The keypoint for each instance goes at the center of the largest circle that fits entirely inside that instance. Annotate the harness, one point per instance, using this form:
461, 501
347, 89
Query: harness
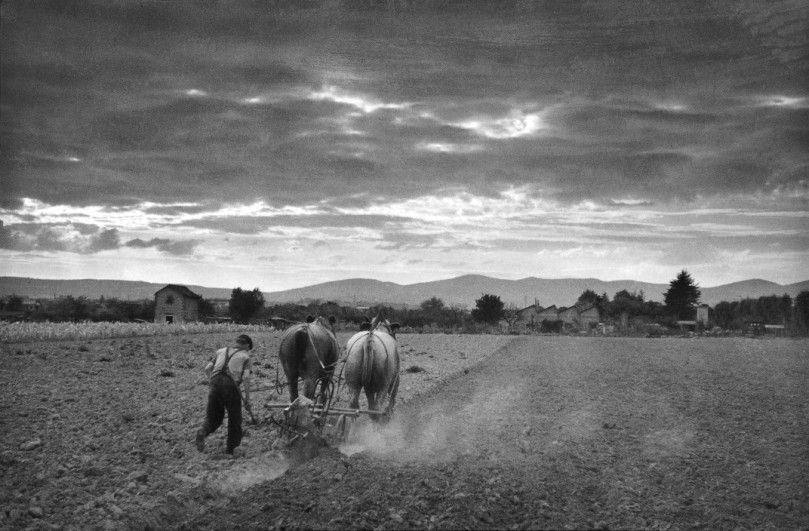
317, 354
225, 370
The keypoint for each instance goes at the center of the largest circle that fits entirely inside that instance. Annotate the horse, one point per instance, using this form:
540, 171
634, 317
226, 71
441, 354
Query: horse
310, 351
372, 366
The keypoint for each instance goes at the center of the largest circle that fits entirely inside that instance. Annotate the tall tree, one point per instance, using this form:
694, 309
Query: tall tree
723, 314
625, 303
14, 303
433, 305
589, 296
432, 310
206, 308
489, 309
245, 304
601, 302
682, 295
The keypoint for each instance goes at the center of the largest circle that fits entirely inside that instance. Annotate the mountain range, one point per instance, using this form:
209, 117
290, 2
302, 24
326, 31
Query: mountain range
460, 291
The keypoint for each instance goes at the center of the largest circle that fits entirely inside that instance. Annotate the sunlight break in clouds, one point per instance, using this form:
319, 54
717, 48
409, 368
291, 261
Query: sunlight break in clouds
364, 104
515, 125
460, 208
148, 214
784, 101
444, 147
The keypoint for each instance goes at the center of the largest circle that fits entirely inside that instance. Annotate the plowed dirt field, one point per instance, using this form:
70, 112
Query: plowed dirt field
491, 432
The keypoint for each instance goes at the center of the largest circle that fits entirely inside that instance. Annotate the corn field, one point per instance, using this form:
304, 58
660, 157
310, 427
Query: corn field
26, 331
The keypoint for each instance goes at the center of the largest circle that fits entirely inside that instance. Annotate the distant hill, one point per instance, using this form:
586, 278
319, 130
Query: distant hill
461, 291
464, 290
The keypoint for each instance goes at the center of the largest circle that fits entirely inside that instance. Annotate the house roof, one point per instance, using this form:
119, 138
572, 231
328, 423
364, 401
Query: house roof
182, 290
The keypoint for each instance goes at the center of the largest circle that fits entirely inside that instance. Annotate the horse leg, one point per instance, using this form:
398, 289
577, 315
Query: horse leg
351, 423
372, 403
309, 387
293, 388
354, 399
394, 389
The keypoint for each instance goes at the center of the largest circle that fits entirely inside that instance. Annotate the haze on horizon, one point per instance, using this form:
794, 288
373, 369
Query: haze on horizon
283, 144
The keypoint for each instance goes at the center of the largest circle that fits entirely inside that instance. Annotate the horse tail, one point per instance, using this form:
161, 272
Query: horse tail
301, 341
368, 361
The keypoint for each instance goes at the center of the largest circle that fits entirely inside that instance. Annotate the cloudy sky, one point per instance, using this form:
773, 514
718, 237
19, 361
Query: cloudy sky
279, 144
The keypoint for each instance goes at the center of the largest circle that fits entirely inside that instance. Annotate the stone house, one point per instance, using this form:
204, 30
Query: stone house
176, 304
589, 317
30, 305
581, 316
530, 318
568, 316
527, 318
550, 313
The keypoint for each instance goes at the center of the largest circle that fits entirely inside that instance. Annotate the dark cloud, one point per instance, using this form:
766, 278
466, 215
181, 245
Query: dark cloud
96, 107
48, 239
77, 238
179, 248
13, 240
104, 241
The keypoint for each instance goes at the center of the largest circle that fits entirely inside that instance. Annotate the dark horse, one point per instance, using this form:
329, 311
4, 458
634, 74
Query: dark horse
309, 350
372, 365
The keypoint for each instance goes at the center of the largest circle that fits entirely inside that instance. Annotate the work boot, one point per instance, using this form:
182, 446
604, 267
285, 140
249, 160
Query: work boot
201, 440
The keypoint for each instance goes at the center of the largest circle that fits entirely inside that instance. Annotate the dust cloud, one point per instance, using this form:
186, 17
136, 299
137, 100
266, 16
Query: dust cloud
249, 472
440, 431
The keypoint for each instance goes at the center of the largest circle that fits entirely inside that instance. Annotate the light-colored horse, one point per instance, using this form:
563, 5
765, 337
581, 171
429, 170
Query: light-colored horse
372, 366
309, 351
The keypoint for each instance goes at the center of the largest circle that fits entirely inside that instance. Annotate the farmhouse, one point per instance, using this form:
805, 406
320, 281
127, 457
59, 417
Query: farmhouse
581, 316
30, 305
568, 316
548, 314
578, 317
527, 317
589, 317
176, 304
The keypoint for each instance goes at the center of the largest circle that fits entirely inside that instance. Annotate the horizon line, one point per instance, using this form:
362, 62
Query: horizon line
404, 285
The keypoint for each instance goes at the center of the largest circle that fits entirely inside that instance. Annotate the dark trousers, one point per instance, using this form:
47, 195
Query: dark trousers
224, 395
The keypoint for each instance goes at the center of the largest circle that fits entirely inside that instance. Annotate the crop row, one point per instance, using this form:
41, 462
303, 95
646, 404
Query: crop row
45, 331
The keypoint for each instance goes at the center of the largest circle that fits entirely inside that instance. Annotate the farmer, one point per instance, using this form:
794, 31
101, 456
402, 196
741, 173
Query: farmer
230, 368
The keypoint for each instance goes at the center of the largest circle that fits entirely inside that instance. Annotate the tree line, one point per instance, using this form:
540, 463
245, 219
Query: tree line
77, 309
247, 306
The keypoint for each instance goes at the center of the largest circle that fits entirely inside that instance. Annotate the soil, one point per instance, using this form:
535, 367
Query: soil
490, 432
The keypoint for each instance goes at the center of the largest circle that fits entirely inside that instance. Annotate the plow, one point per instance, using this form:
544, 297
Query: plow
304, 419
310, 423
